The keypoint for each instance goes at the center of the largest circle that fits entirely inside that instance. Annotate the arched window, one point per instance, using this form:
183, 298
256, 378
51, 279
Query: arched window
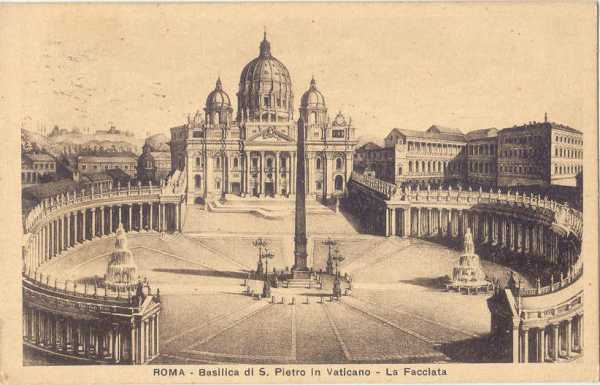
338, 163
218, 162
410, 166
400, 170
312, 118
198, 161
318, 163
269, 162
422, 166
235, 162
339, 183
198, 181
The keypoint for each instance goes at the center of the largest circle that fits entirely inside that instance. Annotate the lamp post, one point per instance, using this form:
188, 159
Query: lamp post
268, 254
330, 243
337, 284
260, 244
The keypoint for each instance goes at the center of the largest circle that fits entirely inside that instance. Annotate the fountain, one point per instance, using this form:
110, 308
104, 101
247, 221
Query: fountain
468, 274
121, 271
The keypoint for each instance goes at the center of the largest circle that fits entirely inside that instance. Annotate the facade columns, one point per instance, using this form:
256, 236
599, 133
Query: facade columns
83, 225
151, 216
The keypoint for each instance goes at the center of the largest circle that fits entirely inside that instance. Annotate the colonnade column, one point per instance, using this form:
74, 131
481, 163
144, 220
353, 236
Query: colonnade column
525, 345
75, 227
110, 219
102, 227
141, 217
150, 217
83, 225
568, 337
130, 207
541, 339
93, 223
555, 342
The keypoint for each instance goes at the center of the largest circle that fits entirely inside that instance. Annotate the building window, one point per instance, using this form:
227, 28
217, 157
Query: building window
198, 161
338, 163
197, 181
267, 101
338, 133
318, 163
235, 162
269, 162
319, 185
218, 162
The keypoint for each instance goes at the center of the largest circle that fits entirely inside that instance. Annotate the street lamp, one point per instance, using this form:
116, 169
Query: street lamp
337, 284
260, 244
268, 254
330, 243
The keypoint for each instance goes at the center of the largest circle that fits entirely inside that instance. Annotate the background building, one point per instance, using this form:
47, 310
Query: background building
93, 162
155, 162
481, 154
544, 156
539, 154
37, 167
434, 157
255, 155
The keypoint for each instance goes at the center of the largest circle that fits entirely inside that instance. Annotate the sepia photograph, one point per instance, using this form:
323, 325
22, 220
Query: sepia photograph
317, 192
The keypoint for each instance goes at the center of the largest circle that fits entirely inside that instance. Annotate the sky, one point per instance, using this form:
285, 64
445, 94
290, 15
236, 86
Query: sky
145, 68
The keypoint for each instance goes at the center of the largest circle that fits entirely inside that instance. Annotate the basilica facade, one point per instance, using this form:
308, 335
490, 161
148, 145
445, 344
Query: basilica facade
253, 155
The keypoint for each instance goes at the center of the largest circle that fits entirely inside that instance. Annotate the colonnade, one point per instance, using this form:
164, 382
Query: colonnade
509, 231
65, 230
551, 342
135, 341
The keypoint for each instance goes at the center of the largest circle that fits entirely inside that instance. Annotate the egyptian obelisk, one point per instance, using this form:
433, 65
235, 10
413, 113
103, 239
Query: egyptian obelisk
300, 220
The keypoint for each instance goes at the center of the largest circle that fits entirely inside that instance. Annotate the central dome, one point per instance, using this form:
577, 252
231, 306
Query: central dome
265, 93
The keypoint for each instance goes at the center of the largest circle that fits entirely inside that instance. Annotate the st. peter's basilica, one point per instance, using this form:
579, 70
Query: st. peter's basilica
254, 155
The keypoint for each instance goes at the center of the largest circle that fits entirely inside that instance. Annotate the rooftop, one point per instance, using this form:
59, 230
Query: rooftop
430, 134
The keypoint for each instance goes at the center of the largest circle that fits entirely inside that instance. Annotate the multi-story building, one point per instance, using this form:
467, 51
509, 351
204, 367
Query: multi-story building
255, 155
539, 154
482, 157
37, 167
364, 157
431, 157
94, 162
535, 155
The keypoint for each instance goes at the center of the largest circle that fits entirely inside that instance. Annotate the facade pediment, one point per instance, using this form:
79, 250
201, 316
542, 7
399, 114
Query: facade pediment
270, 135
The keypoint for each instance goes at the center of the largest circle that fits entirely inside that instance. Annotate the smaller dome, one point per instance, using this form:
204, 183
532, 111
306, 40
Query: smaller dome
218, 99
313, 98
157, 142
